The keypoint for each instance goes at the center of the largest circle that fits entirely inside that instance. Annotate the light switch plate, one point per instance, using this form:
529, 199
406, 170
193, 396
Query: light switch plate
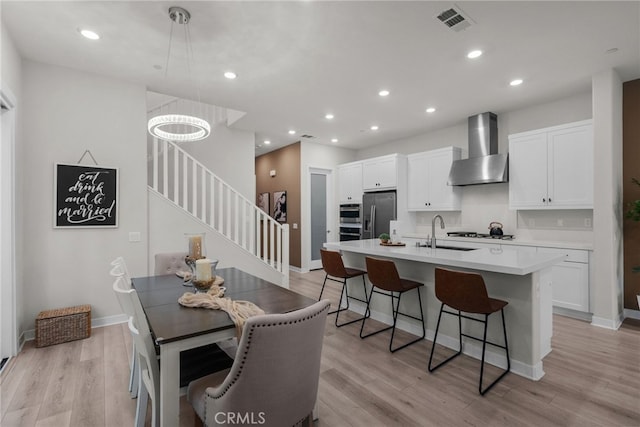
134, 236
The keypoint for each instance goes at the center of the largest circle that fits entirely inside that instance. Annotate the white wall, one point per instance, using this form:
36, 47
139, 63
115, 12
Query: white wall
608, 272
12, 296
227, 152
322, 157
482, 204
69, 112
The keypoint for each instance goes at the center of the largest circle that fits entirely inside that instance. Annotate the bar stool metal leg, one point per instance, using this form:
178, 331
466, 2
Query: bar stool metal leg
506, 348
396, 311
344, 292
435, 338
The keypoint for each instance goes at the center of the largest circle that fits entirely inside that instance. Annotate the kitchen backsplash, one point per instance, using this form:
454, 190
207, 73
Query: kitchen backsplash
483, 204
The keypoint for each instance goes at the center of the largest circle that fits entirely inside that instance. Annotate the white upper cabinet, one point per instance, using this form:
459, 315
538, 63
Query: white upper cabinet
380, 173
552, 168
350, 182
427, 175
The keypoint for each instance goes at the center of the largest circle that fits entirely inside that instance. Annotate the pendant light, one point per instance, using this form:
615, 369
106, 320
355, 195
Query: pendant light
179, 127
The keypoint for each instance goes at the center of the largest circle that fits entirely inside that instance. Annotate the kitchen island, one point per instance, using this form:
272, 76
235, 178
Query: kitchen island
520, 277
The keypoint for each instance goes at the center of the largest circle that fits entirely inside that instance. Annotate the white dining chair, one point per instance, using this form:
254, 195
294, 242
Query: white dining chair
119, 268
123, 291
149, 373
146, 368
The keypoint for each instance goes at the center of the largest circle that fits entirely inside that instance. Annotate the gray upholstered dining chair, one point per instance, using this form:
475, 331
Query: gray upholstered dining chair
274, 378
170, 263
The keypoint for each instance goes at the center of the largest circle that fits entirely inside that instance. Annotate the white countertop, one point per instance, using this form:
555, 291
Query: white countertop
500, 260
516, 241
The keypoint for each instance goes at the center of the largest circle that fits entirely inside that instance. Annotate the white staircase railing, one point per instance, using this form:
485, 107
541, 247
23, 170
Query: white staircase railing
187, 183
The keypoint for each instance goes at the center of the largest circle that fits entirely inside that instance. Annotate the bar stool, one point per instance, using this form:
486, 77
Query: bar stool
384, 275
467, 292
336, 271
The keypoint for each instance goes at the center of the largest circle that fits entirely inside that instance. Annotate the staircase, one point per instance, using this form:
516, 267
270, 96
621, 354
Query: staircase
237, 222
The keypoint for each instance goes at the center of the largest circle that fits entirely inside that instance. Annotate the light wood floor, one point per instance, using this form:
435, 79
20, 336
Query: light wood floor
592, 379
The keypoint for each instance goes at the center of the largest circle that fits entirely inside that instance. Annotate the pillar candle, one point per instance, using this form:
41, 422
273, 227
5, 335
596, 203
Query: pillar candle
203, 269
195, 247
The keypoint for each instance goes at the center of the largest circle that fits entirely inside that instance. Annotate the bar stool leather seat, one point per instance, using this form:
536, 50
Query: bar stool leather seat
467, 292
337, 272
383, 275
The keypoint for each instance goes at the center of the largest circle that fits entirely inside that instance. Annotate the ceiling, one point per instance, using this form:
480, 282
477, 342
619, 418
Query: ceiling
298, 61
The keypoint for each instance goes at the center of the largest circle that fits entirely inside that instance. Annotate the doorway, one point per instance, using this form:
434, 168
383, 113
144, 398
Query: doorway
8, 331
320, 214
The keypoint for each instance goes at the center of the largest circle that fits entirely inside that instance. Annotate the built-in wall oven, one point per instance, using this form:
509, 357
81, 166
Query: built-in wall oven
350, 222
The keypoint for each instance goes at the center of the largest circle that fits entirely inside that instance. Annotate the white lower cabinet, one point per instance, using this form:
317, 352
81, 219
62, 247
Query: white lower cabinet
571, 279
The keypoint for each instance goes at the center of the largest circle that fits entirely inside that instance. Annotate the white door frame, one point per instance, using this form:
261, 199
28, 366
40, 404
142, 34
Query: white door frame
315, 264
8, 321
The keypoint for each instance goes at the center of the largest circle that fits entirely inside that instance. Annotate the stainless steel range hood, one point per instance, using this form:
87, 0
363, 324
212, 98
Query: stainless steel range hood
484, 165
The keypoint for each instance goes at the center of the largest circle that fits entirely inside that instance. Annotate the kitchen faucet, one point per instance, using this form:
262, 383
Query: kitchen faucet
433, 229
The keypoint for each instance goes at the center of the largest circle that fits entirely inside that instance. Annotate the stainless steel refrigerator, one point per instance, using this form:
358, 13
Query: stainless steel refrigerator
377, 210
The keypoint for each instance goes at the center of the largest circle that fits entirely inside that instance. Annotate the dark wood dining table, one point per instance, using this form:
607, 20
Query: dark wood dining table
177, 328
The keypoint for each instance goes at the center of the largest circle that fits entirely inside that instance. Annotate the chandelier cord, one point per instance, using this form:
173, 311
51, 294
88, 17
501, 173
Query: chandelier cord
180, 127
166, 66
190, 59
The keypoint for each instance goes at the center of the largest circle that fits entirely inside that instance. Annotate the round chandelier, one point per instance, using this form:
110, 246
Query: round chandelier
166, 127
179, 127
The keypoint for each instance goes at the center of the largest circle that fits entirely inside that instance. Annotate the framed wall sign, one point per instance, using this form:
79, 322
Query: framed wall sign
280, 206
85, 196
263, 202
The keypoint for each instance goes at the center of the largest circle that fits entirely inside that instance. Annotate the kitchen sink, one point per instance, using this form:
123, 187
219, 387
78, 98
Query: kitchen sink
453, 248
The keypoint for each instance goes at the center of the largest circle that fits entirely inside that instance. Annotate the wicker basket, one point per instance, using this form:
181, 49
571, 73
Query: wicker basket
63, 325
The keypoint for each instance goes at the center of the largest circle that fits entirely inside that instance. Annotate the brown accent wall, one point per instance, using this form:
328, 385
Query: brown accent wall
286, 163
631, 191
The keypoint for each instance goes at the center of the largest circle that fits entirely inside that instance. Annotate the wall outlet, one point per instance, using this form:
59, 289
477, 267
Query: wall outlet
134, 236
295, 225
587, 222
560, 223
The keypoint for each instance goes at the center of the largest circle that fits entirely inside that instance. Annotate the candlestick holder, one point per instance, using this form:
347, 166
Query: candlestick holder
195, 245
202, 286
191, 263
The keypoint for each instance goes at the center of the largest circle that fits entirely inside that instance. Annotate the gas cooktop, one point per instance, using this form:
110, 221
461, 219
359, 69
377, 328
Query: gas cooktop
480, 235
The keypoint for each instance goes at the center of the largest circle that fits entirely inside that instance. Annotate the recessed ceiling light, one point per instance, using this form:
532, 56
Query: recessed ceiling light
267, 142
374, 127
329, 116
430, 110
230, 75
516, 82
292, 132
91, 35
383, 92
474, 54
334, 140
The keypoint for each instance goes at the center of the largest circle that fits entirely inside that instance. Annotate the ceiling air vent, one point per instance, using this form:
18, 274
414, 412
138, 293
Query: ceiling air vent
307, 136
455, 19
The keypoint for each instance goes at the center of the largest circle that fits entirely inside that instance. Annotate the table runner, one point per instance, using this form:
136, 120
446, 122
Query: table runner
238, 311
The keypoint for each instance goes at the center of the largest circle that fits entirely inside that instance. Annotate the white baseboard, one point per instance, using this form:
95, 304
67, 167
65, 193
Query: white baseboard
470, 348
601, 322
574, 314
631, 314
30, 334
